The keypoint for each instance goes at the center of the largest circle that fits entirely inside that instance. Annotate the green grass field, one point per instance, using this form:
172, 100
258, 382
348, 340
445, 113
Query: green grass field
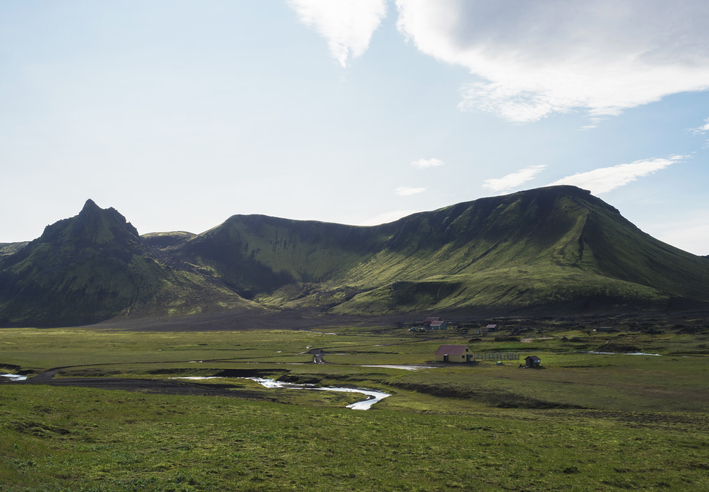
583, 422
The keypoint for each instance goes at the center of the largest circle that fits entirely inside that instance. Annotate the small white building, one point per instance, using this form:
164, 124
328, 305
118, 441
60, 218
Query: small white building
439, 325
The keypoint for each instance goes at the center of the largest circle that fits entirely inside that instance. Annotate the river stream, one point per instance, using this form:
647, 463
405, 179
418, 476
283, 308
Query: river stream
373, 396
14, 377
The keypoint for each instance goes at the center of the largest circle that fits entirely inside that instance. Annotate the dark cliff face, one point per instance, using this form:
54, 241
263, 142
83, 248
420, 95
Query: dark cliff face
549, 245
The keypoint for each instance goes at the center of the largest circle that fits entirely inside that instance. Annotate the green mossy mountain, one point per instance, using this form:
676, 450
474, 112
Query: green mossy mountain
92, 267
555, 248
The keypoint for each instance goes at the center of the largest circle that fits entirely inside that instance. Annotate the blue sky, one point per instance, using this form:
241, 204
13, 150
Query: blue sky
181, 113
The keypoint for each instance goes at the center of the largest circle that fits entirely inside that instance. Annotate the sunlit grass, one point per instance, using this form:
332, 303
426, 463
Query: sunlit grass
100, 440
584, 422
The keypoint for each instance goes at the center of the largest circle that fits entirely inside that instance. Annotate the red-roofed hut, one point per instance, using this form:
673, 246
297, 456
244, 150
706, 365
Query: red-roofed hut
454, 353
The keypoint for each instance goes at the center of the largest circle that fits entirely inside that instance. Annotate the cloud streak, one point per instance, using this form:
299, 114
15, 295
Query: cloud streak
533, 59
347, 25
703, 128
407, 191
512, 180
606, 179
426, 163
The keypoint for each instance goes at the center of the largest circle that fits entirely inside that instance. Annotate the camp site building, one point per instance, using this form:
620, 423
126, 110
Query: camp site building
532, 361
439, 325
454, 353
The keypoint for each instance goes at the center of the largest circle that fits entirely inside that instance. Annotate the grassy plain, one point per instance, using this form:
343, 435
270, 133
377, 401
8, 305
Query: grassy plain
583, 422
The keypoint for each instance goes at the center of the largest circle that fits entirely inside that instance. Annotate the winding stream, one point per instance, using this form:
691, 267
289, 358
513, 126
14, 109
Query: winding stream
372, 396
14, 377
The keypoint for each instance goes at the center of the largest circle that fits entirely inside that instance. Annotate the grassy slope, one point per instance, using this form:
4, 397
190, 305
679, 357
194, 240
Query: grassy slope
537, 247
7, 249
257, 254
624, 252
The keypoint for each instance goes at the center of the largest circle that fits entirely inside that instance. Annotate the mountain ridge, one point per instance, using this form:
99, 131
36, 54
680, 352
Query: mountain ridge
549, 246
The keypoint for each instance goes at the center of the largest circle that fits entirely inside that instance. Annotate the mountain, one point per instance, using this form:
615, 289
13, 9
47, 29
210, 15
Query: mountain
554, 248
92, 267
557, 245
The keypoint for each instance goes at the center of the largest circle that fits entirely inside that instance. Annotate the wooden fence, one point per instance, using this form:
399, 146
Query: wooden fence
497, 356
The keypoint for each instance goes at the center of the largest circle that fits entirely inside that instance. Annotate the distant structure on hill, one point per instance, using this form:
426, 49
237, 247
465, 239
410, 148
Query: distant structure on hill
491, 328
435, 324
454, 353
439, 325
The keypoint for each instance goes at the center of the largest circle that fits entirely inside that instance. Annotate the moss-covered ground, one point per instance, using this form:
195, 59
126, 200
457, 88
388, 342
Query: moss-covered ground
581, 422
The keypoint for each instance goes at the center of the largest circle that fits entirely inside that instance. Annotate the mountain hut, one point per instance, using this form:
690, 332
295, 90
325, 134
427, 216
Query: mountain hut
439, 325
532, 361
454, 353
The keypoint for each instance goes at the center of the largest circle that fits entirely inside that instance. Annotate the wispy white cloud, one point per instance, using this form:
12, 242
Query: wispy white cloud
513, 180
387, 217
534, 59
606, 179
424, 163
407, 191
703, 128
347, 25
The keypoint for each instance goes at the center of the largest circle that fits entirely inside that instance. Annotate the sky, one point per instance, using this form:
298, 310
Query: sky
181, 113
